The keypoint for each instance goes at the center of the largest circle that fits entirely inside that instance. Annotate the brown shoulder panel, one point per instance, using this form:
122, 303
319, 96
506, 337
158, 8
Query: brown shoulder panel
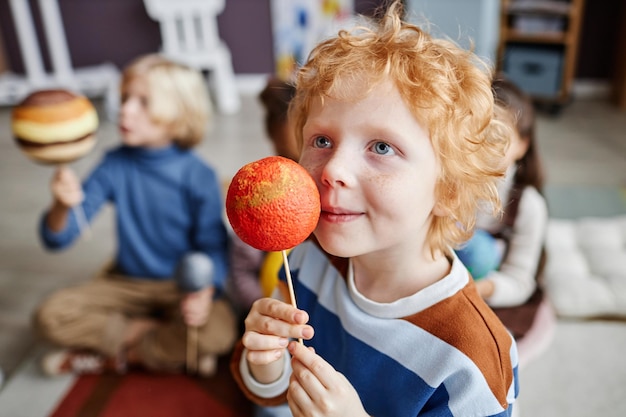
468, 324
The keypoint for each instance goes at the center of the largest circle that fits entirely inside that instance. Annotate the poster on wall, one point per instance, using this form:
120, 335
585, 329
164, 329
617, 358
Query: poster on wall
298, 25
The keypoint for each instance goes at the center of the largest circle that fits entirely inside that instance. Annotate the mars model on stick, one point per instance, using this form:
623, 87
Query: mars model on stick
273, 205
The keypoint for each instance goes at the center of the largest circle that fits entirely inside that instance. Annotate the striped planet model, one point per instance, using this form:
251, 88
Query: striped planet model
55, 126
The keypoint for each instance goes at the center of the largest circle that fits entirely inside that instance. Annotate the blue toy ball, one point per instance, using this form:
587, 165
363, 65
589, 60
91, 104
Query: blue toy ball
480, 255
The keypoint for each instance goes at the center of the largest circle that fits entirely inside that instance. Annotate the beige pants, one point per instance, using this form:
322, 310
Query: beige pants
94, 316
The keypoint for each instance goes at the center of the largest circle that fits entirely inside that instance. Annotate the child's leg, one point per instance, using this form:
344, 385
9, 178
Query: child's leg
169, 345
97, 315
165, 347
220, 332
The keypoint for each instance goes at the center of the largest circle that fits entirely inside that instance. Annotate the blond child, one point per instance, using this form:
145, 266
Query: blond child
397, 130
169, 231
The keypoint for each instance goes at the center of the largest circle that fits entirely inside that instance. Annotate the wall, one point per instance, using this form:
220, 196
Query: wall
463, 21
119, 30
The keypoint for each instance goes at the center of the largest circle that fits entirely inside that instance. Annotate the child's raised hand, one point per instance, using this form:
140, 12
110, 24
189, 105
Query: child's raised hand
269, 326
317, 389
66, 188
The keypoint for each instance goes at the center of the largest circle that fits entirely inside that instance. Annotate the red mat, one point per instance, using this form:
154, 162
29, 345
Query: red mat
155, 395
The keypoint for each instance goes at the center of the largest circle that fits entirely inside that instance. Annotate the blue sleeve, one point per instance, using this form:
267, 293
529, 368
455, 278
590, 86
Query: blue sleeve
96, 190
61, 239
209, 234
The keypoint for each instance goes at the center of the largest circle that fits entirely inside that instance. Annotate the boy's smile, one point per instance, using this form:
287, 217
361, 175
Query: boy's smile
339, 215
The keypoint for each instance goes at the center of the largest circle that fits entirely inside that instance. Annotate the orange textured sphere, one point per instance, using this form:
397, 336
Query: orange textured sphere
273, 204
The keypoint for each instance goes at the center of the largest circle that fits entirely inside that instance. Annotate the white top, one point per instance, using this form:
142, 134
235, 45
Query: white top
514, 282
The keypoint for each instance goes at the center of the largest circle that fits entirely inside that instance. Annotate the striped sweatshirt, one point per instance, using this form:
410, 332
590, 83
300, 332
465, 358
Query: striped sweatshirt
438, 352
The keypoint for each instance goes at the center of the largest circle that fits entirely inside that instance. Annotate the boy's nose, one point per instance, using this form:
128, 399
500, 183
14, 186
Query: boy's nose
338, 170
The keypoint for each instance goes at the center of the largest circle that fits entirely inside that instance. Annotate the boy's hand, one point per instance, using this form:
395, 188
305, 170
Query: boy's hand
66, 189
196, 306
269, 326
317, 389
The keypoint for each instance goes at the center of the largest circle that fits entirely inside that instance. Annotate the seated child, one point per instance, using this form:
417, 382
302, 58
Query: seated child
397, 130
170, 234
512, 287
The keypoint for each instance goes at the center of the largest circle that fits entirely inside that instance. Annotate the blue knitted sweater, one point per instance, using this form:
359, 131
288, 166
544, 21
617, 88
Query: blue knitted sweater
168, 203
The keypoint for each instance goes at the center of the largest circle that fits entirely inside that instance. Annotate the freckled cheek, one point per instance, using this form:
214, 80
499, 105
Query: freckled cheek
382, 181
403, 191
385, 184
313, 167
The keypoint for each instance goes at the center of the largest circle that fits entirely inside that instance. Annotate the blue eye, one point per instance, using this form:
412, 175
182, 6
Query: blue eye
321, 142
383, 148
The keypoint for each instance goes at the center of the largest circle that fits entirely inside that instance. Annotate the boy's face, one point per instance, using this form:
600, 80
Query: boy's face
376, 171
135, 124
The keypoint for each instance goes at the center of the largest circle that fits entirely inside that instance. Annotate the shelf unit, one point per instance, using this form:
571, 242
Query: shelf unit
538, 46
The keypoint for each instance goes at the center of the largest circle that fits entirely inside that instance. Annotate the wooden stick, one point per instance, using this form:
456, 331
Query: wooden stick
83, 224
81, 218
292, 294
192, 350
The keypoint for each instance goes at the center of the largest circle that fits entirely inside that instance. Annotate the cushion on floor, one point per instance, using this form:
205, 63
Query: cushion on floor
585, 273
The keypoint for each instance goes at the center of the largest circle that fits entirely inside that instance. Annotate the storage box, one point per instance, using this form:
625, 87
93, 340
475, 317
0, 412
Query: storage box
539, 24
535, 69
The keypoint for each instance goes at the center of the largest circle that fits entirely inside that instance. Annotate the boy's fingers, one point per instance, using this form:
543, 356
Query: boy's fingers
314, 363
269, 325
264, 357
264, 342
282, 311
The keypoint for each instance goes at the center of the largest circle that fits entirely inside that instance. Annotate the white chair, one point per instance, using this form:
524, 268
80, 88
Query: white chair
100, 80
190, 36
